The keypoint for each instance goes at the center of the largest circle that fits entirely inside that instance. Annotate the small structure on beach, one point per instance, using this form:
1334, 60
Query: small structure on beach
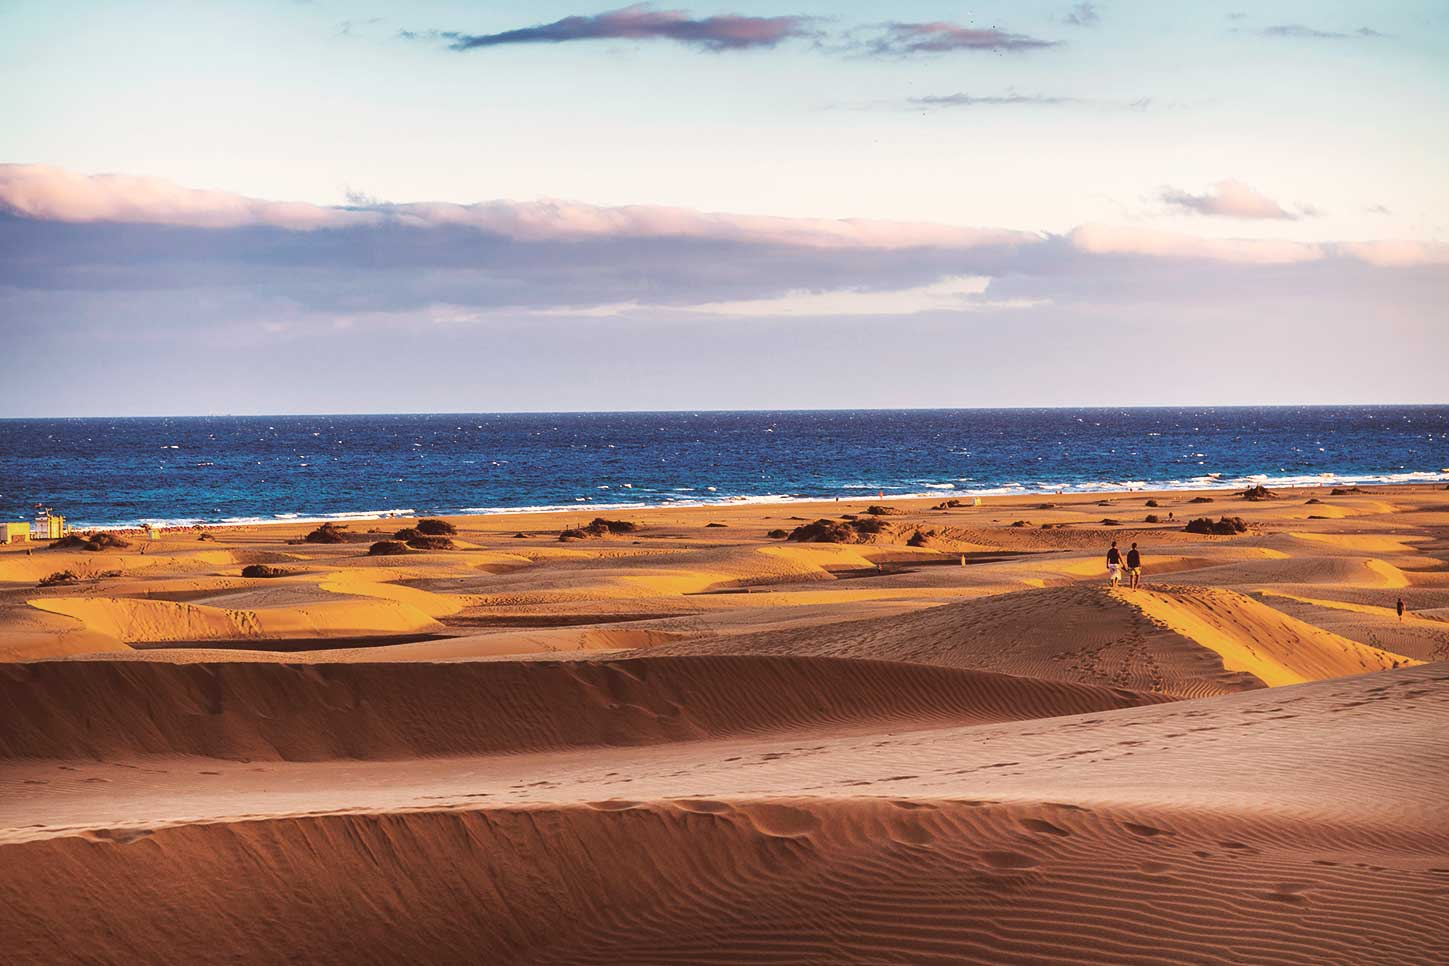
14, 533
48, 525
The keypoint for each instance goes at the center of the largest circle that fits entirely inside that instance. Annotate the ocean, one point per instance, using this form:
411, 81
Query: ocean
248, 469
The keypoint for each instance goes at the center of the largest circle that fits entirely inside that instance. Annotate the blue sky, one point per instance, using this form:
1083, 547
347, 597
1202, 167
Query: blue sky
1242, 191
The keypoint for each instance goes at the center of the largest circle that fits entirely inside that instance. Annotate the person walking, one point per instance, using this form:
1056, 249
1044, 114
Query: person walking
1134, 568
1114, 565
1400, 608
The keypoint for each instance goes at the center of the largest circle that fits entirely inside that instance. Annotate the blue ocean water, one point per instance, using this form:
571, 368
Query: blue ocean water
224, 469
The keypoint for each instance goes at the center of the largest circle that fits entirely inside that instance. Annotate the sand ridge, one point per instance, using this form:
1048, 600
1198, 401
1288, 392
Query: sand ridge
692, 744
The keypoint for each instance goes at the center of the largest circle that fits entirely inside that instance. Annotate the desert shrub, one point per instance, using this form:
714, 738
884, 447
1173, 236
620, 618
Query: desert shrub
206, 536
436, 528
328, 533
425, 541
919, 539
58, 578
93, 542
1152, 518
1109, 522
387, 548
1021, 523
835, 531
520, 536
1104, 503
778, 534
1345, 490
1226, 526
850, 516
407, 533
948, 505
1312, 501
599, 527
1044, 506
876, 510
707, 525
1201, 499
262, 570
1153, 503
1257, 493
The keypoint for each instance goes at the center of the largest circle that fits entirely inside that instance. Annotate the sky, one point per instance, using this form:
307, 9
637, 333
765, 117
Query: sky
346, 206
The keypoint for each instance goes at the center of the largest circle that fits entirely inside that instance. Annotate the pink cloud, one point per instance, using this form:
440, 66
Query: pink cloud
43, 193
1231, 199
1105, 240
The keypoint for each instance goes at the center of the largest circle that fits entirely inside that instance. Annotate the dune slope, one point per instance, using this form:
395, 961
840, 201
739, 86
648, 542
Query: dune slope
266, 711
1299, 825
1188, 642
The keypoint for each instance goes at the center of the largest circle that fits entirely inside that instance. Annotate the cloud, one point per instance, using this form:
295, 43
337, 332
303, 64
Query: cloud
951, 294
52, 194
105, 230
1083, 15
677, 303
1396, 254
990, 100
641, 22
1105, 240
943, 37
1230, 199
1299, 31
1014, 99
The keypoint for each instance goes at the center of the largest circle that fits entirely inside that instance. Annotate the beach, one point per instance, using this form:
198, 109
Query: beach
874, 730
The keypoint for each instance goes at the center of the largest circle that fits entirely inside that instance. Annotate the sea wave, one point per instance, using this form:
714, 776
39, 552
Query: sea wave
1211, 481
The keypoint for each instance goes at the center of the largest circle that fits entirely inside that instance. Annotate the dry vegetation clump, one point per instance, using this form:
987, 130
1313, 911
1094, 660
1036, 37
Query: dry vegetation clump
599, 528
1109, 522
1201, 499
58, 578
262, 570
1346, 490
1312, 501
1152, 518
778, 534
328, 533
708, 525
1224, 527
205, 536
1153, 503
407, 533
835, 531
1021, 523
876, 510
1258, 493
387, 548
93, 542
425, 541
436, 528
949, 505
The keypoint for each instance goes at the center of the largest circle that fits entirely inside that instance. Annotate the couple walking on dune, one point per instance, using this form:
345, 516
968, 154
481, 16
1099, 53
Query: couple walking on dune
1133, 564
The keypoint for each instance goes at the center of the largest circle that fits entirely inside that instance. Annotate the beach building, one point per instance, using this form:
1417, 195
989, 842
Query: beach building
49, 526
14, 532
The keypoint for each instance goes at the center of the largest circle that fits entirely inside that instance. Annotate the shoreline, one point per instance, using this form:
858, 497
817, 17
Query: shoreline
913, 501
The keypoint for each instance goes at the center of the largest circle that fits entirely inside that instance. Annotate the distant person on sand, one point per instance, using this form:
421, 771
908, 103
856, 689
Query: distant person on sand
1400, 608
1114, 565
1134, 568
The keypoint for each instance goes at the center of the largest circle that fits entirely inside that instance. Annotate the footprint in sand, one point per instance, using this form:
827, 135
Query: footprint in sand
1043, 826
1145, 830
1009, 860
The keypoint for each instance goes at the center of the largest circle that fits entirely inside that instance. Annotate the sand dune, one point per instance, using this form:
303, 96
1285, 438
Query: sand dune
268, 710
1186, 642
963, 751
1299, 825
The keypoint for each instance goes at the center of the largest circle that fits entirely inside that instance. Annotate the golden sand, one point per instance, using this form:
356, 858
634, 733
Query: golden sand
953, 742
